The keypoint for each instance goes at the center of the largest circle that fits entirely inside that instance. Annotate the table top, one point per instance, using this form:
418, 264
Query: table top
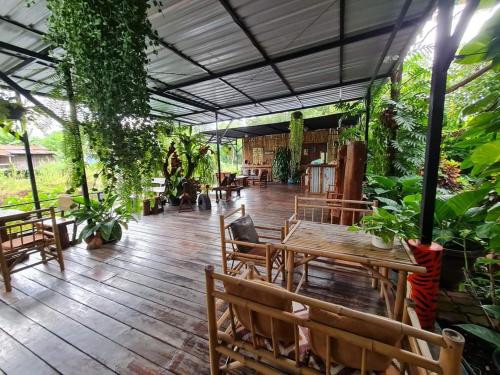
12, 214
335, 241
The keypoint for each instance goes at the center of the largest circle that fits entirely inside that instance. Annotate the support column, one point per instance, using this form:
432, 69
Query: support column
436, 110
218, 147
29, 159
75, 124
31, 170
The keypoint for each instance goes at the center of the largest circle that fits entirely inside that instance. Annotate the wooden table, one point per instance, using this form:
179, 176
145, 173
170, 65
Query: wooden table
308, 241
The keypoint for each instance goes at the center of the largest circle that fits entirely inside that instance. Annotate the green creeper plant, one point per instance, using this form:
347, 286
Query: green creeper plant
281, 164
104, 46
296, 138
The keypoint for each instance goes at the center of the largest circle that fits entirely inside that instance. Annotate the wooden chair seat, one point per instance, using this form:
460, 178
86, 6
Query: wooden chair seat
29, 240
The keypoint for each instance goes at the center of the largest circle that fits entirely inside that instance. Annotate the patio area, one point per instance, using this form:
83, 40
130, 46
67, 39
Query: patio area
250, 187
139, 305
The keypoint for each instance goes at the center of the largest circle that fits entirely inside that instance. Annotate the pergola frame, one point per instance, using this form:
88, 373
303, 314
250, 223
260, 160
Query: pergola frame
446, 47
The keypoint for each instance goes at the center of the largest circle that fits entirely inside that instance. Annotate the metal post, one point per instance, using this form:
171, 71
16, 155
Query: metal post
436, 110
29, 160
218, 146
75, 123
31, 170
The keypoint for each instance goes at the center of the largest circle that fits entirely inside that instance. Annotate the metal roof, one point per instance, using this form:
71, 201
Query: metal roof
241, 58
334, 121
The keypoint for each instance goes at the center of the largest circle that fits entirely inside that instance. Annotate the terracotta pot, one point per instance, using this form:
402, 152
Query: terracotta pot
94, 242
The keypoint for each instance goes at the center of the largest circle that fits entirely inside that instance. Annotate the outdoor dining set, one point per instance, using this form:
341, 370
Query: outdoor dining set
262, 320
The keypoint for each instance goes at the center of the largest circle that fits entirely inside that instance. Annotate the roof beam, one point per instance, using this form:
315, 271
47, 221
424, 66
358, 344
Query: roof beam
182, 55
396, 28
341, 38
46, 58
236, 18
21, 25
305, 52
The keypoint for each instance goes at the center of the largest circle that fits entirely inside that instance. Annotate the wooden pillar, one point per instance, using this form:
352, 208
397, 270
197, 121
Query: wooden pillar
340, 171
353, 177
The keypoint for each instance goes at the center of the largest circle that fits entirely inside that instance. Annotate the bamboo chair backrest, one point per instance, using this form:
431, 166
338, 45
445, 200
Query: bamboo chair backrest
450, 343
331, 210
27, 233
256, 322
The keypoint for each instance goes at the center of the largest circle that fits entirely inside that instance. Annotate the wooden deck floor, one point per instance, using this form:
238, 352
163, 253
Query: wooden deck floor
138, 306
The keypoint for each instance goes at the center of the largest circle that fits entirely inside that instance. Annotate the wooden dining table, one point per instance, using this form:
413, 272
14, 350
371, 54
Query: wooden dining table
308, 241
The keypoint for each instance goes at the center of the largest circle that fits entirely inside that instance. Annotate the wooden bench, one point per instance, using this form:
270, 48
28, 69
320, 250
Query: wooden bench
228, 189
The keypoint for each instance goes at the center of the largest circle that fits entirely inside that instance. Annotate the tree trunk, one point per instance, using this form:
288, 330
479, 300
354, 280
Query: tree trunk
393, 128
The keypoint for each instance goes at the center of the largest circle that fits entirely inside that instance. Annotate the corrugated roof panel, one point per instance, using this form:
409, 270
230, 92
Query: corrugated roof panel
312, 71
34, 15
360, 58
217, 92
250, 110
286, 25
168, 67
283, 104
258, 83
204, 31
363, 15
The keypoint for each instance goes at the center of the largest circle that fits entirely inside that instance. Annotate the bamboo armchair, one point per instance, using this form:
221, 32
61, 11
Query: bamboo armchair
262, 254
334, 342
27, 237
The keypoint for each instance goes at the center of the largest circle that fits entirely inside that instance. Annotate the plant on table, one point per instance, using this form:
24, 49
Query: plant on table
281, 164
393, 220
104, 220
110, 79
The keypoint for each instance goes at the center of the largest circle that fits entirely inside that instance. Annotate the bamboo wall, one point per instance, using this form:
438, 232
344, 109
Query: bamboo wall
271, 142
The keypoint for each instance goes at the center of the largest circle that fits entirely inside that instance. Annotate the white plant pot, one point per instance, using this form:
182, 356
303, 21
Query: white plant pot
381, 244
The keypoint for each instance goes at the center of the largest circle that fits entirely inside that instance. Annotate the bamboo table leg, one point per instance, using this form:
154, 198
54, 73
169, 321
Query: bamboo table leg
400, 295
290, 265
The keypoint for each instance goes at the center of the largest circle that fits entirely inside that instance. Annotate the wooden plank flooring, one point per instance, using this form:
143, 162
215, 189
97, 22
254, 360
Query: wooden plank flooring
138, 306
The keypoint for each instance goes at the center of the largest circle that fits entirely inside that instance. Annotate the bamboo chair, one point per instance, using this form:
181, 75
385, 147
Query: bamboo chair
333, 339
337, 211
29, 237
261, 254
262, 180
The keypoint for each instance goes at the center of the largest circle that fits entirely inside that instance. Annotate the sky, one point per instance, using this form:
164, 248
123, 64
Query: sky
425, 38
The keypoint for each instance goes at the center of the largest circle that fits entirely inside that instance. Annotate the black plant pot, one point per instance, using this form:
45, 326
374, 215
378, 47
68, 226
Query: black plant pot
15, 112
452, 273
175, 201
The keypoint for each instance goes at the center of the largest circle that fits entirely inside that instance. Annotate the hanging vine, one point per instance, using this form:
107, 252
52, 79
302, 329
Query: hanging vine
296, 138
104, 46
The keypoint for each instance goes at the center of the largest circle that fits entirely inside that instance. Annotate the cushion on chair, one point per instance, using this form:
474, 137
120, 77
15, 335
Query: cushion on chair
243, 229
348, 354
284, 331
25, 242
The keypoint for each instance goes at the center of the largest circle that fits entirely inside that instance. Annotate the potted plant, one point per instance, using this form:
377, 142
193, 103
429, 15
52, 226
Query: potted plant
393, 220
104, 221
10, 110
281, 164
173, 187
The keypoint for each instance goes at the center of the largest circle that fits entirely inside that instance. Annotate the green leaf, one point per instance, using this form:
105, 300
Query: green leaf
492, 310
462, 202
482, 332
